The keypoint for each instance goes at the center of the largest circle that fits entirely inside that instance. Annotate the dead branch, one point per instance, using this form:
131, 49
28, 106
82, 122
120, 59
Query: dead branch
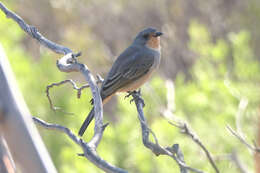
173, 152
238, 133
181, 125
33, 32
187, 131
242, 140
74, 85
89, 151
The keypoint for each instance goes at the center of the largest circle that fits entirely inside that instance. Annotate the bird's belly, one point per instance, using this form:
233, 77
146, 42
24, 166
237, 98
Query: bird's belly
137, 83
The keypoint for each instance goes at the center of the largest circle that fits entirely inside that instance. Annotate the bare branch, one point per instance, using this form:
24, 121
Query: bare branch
243, 141
89, 150
187, 131
33, 32
183, 126
173, 152
239, 134
74, 85
243, 103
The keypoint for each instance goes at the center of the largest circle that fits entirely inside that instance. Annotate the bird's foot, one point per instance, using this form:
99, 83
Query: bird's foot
136, 96
129, 93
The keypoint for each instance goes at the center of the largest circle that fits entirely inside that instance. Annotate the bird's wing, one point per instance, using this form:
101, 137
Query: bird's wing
126, 70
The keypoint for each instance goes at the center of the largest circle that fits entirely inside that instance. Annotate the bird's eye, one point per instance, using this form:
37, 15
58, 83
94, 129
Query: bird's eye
146, 36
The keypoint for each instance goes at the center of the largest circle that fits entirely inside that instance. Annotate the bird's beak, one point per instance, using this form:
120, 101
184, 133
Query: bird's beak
157, 34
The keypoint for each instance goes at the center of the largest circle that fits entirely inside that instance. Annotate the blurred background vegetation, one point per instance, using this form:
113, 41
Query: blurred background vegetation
210, 66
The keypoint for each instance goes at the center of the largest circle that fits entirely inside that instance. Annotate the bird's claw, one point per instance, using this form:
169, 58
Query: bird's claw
129, 93
136, 96
131, 101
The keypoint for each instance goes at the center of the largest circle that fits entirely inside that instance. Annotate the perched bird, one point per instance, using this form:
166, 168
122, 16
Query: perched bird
131, 69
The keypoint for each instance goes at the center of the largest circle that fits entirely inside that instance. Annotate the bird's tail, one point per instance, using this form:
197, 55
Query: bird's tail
87, 121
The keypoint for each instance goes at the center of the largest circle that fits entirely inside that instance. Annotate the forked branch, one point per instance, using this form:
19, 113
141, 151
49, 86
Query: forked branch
74, 85
173, 151
89, 151
187, 131
253, 147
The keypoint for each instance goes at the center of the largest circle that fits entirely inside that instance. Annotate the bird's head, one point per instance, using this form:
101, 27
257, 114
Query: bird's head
149, 37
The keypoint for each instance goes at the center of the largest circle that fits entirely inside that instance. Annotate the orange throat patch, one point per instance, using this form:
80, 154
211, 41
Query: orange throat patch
154, 43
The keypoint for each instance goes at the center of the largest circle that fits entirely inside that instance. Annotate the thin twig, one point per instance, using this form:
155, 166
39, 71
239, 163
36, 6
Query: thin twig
239, 134
242, 140
241, 108
74, 85
187, 131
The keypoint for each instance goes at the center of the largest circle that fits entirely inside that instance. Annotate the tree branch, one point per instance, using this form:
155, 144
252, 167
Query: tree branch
187, 131
242, 140
89, 151
74, 85
173, 152
33, 32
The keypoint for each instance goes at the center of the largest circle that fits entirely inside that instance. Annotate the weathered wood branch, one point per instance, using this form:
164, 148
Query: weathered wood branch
74, 85
173, 152
187, 131
89, 151
254, 147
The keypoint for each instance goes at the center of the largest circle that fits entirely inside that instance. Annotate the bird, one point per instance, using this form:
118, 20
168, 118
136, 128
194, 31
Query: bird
131, 69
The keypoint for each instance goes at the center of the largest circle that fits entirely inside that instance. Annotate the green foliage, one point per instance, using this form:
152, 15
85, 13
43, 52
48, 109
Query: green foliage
210, 101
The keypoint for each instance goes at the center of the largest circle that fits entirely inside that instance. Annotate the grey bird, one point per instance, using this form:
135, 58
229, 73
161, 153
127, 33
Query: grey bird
131, 69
